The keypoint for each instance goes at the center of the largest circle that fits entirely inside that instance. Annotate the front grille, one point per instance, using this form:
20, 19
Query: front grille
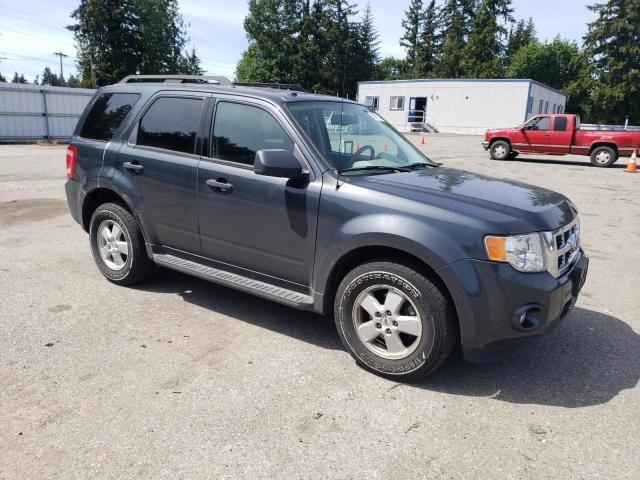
563, 246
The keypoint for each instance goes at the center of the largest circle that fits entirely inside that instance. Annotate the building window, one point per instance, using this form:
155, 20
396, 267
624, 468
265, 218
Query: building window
560, 108
541, 106
555, 107
372, 102
397, 103
546, 106
530, 105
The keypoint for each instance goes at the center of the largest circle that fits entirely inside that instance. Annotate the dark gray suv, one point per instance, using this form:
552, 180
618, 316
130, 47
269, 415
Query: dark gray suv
318, 203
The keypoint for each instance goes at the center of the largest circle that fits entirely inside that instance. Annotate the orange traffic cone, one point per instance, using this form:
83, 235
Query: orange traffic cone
422, 142
631, 166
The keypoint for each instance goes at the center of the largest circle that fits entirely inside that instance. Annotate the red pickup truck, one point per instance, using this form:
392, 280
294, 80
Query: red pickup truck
561, 135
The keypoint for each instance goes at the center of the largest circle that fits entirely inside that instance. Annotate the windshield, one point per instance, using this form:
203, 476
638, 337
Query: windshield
354, 139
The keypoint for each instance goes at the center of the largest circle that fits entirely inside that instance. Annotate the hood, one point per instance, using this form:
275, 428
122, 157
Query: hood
516, 207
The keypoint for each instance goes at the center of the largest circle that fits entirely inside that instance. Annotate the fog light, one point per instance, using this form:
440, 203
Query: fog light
528, 317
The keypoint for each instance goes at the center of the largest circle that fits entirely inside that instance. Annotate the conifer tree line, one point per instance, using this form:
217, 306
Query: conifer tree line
324, 46
328, 46
116, 38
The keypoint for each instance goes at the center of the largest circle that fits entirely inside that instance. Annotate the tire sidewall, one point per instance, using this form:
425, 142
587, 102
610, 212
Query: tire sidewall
506, 146
347, 295
612, 153
99, 216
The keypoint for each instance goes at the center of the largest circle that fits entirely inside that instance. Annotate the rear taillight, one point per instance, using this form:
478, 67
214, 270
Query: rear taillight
72, 153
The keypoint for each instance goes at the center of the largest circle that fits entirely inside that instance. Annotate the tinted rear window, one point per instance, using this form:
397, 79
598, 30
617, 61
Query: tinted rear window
560, 124
172, 124
107, 114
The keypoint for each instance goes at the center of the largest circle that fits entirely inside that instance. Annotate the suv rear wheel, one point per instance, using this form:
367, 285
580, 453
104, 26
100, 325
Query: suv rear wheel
118, 246
394, 321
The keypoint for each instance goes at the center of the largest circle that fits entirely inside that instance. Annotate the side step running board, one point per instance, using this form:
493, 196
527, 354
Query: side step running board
233, 280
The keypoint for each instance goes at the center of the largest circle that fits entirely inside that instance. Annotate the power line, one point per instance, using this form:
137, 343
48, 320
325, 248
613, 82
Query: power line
36, 36
31, 14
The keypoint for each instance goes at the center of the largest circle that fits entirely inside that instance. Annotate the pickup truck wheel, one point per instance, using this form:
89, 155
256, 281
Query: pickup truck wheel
500, 150
394, 321
603, 156
118, 246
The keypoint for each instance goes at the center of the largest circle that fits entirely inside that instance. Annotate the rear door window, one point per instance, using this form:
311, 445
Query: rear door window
240, 130
107, 114
171, 123
560, 124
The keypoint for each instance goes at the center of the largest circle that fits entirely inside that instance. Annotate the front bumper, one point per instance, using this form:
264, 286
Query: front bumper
491, 298
485, 145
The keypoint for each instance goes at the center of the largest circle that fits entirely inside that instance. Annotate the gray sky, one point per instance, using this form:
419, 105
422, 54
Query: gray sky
31, 30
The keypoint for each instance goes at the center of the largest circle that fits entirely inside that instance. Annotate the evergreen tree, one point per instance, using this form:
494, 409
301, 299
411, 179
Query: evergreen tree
412, 26
73, 82
455, 20
18, 78
369, 45
391, 68
189, 64
523, 34
612, 44
482, 56
428, 43
123, 37
50, 78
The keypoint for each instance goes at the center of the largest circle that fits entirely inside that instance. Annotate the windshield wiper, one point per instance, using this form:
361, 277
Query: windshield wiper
414, 166
370, 167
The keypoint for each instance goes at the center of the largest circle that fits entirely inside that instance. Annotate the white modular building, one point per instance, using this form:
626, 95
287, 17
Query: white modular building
464, 106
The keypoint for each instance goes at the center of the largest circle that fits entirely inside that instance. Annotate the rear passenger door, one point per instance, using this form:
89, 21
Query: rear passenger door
95, 133
261, 224
159, 167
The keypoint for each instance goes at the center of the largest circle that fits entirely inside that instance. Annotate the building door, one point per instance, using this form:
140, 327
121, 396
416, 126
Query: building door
417, 110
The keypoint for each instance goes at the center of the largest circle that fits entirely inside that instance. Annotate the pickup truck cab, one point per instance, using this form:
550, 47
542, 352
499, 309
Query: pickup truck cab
561, 135
319, 204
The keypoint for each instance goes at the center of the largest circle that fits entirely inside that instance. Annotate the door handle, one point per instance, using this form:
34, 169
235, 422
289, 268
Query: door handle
220, 184
133, 166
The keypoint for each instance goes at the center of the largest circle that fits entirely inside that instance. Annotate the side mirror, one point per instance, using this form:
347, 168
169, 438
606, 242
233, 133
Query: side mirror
278, 163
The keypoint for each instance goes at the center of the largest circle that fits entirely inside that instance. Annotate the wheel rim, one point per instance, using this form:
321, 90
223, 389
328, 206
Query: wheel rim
113, 245
499, 151
603, 157
387, 322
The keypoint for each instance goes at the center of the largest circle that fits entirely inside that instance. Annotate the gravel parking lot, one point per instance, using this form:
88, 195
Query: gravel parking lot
180, 378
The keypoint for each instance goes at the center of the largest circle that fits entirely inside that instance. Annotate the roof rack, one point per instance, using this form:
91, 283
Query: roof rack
177, 79
279, 86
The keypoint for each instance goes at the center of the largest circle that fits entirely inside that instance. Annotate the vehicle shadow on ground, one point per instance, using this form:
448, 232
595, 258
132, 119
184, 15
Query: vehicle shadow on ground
621, 163
587, 360
306, 326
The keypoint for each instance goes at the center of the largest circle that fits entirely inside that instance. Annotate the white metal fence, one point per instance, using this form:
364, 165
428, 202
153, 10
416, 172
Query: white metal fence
31, 113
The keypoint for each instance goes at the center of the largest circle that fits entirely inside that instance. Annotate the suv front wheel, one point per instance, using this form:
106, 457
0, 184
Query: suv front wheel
394, 320
118, 246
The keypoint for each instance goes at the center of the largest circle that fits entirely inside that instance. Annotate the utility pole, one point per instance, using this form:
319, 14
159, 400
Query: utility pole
60, 54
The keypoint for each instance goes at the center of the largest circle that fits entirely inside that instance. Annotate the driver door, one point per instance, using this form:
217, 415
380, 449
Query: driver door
262, 225
537, 133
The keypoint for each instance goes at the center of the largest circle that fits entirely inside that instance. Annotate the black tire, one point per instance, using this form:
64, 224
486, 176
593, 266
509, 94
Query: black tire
603, 156
500, 150
439, 327
137, 265
513, 155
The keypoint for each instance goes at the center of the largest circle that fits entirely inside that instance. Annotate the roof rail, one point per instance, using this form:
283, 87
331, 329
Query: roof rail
279, 86
177, 79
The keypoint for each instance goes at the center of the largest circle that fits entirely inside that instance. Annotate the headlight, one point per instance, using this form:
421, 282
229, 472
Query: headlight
523, 252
